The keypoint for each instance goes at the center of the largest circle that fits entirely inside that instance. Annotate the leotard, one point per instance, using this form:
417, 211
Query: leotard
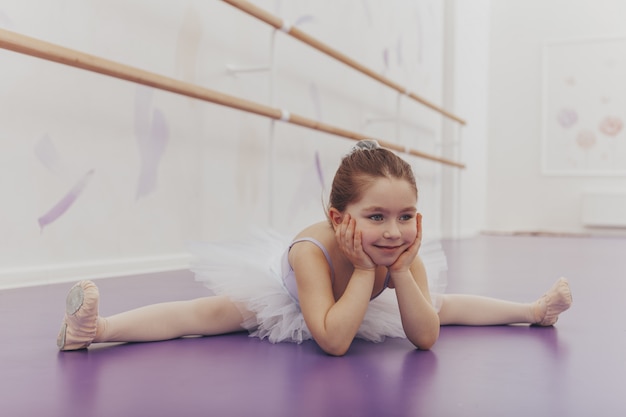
289, 276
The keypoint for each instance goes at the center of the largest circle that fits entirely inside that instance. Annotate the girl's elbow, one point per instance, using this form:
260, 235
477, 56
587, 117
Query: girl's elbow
426, 345
426, 341
336, 352
334, 347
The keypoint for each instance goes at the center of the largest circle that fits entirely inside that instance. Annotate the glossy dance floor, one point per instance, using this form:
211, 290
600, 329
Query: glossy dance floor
577, 368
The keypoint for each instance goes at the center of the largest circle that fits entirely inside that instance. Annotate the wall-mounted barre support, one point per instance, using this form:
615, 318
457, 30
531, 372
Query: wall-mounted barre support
37, 48
278, 23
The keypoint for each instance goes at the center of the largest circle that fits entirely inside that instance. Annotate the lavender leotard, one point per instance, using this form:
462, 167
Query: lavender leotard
289, 276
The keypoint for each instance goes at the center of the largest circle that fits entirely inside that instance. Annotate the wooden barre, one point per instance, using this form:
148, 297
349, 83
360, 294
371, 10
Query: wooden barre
40, 49
278, 23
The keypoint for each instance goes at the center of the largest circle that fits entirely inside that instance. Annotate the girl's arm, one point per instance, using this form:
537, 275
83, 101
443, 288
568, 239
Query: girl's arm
333, 324
420, 321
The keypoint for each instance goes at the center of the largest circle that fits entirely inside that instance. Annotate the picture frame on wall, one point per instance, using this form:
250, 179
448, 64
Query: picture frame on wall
584, 107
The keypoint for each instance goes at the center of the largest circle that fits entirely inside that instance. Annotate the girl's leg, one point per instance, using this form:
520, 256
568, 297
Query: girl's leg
474, 310
202, 316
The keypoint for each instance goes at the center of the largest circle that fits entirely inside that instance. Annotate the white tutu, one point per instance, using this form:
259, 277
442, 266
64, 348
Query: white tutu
249, 272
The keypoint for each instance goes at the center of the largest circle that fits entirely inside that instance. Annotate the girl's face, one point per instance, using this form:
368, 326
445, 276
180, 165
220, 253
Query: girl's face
386, 217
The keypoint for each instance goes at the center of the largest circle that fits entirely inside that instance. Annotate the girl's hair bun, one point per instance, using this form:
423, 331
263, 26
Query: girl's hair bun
365, 144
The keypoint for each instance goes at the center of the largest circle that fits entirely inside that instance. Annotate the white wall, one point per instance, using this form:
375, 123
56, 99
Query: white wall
143, 172
466, 87
520, 197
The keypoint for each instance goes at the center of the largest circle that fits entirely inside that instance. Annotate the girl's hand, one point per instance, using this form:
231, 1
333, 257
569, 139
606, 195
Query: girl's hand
405, 260
349, 241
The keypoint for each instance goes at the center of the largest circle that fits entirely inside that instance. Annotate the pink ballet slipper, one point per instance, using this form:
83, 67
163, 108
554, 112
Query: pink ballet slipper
81, 317
552, 303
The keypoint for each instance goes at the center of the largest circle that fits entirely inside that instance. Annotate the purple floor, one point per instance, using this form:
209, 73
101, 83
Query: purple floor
577, 368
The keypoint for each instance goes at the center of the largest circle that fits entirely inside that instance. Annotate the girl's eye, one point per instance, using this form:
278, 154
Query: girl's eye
406, 217
376, 217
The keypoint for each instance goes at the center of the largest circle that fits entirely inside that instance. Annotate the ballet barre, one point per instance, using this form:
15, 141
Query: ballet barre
51, 52
280, 24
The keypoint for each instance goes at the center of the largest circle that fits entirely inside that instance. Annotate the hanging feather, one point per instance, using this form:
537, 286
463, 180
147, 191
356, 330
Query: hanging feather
47, 154
152, 137
66, 202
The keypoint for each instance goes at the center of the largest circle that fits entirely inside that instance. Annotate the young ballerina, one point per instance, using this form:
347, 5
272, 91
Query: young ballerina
328, 283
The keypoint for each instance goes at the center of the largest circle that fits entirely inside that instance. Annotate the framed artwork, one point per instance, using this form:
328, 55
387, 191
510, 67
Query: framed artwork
584, 107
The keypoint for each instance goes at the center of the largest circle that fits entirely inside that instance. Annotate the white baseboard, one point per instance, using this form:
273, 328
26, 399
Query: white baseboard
70, 272
600, 209
463, 234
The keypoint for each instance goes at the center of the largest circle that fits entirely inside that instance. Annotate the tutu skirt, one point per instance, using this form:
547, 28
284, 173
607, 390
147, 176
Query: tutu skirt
248, 271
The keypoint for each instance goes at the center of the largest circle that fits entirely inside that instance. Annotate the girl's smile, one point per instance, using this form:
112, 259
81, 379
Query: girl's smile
385, 255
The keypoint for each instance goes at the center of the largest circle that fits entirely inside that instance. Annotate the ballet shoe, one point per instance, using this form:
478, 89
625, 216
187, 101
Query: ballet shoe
81, 317
552, 303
